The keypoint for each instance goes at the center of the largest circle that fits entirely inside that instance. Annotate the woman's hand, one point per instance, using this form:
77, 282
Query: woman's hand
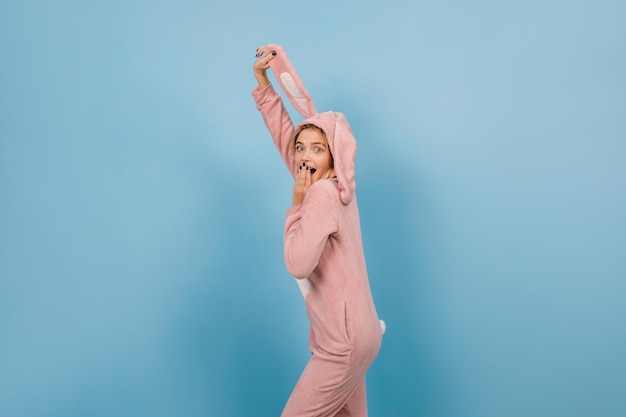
302, 184
262, 63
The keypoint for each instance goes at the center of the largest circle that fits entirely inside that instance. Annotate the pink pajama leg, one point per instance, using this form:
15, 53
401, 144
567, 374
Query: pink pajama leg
357, 404
327, 389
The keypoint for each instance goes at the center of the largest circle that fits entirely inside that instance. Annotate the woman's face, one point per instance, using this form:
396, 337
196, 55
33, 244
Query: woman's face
312, 149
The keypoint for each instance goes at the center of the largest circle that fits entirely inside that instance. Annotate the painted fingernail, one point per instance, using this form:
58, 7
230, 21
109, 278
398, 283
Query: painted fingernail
273, 52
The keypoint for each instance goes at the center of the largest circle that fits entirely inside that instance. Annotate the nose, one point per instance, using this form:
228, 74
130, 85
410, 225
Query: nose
305, 156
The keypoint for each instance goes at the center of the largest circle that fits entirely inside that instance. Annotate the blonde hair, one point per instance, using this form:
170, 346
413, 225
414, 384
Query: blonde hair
330, 172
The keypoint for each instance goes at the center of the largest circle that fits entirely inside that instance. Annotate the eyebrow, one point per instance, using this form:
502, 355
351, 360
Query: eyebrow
314, 143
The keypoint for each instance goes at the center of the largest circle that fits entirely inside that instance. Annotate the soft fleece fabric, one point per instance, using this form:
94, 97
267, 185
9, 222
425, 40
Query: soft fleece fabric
324, 252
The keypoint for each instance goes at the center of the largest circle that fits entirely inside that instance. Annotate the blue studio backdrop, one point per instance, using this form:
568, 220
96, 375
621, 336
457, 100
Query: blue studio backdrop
142, 205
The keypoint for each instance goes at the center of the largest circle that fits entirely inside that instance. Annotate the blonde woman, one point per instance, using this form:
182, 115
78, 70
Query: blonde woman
322, 245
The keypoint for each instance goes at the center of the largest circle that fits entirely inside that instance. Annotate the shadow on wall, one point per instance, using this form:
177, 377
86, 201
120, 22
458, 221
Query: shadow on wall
400, 234
235, 334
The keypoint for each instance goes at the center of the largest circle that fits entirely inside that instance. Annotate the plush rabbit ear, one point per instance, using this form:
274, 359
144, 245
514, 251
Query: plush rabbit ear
290, 82
344, 149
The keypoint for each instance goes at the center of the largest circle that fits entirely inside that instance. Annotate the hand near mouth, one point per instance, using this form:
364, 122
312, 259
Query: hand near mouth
302, 184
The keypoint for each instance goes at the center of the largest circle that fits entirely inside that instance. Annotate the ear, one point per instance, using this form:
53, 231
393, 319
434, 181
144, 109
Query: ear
344, 153
290, 82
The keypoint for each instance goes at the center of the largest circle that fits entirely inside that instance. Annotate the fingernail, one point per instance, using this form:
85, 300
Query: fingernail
273, 52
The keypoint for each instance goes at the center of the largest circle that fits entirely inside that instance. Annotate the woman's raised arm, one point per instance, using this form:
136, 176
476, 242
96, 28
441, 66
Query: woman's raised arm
271, 106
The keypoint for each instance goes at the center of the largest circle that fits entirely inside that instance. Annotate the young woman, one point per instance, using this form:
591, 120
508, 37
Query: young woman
323, 249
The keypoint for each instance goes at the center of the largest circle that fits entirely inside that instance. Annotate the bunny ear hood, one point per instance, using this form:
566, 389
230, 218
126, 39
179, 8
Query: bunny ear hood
343, 147
338, 132
290, 82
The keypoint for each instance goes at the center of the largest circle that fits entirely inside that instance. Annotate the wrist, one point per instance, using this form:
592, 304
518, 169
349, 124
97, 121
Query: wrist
260, 75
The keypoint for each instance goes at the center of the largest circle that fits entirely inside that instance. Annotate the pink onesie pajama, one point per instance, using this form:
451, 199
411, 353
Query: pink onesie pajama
324, 252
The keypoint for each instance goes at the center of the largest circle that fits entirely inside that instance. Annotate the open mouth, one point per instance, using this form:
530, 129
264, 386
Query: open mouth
313, 171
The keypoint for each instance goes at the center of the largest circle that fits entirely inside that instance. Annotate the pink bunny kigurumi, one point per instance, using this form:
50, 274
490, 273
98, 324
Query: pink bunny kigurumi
341, 141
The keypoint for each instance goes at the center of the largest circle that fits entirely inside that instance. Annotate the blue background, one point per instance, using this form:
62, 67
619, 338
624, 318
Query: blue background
142, 205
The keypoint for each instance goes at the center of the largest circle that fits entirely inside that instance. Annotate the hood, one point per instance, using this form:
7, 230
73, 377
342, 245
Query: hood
338, 132
343, 147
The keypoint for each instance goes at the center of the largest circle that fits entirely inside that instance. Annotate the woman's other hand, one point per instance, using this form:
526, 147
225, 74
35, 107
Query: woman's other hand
302, 184
262, 63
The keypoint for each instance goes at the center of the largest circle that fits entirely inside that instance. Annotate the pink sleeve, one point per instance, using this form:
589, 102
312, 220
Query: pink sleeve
308, 227
278, 122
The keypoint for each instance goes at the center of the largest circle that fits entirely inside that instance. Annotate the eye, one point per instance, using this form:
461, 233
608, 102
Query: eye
299, 148
318, 149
